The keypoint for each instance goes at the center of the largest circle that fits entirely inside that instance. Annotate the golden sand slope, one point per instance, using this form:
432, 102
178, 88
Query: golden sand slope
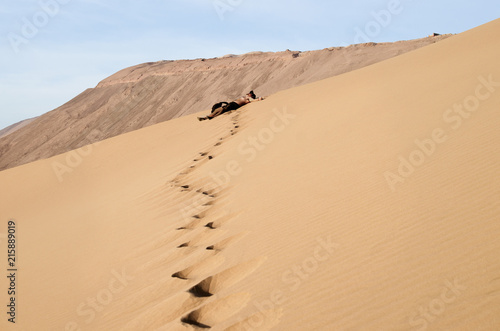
368, 201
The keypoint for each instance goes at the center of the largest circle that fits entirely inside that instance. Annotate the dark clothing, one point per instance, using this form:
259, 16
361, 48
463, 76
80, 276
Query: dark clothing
231, 106
219, 105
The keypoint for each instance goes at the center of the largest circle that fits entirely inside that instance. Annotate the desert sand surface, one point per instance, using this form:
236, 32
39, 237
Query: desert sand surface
365, 201
151, 93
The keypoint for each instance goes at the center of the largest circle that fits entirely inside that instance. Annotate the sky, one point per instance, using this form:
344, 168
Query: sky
52, 50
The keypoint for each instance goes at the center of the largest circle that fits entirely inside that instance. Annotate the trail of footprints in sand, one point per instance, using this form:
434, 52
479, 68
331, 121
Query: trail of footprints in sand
191, 300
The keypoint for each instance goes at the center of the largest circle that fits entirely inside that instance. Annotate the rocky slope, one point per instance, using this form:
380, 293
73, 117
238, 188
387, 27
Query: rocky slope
14, 127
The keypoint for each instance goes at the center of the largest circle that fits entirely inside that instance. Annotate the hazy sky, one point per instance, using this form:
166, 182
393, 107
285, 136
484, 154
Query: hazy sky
52, 50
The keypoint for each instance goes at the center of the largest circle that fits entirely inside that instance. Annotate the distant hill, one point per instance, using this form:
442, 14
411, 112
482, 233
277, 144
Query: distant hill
14, 127
150, 93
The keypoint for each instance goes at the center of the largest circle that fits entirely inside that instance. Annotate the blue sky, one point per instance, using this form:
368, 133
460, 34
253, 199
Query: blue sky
52, 50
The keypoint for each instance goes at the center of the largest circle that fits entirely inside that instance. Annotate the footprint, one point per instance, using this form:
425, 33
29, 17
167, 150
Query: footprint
201, 238
201, 290
204, 267
152, 317
159, 244
209, 203
218, 311
206, 192
210, 226
227, 278
191, 320
226, 242
221, 220
197, 220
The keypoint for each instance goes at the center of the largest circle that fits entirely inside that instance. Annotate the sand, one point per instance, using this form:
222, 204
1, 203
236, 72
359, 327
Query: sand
366, 201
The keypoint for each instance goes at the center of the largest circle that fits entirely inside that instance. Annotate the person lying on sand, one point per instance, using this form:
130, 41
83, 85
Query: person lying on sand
249, 97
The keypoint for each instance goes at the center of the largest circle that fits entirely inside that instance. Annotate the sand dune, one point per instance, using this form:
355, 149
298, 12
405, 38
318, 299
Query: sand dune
151, 93
366, 201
